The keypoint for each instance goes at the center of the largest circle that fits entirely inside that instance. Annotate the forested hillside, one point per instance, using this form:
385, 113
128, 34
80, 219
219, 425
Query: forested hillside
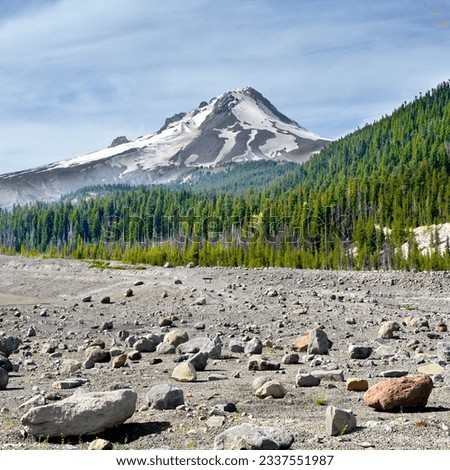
351, 206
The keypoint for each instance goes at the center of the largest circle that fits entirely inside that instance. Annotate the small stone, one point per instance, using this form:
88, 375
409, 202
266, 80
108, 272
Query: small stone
119, 361
339, 422
199, 360
200, 301
359, 352
215, 421
176, 337
128, 293
254, 346
273, 389
304, 379
261, 363
333, 375
291, 358
301, 343
106, 300
431, 369
154, 361
184, 372
357, 385
164, 322
236, 346
250, 437
134, 356
388, 330
100, 444
393, 373
68, 384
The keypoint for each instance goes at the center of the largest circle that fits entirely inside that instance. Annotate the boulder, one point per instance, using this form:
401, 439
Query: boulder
401, 393
9, 344
165, 397
199, 361
236, 346
273, 389
145, 345
318, 342
254, 346
388, 330
5, 363
250, 437
359, 352
304, 379
301, 343
81, 414
261, 363
339, 422
176, 337
203, 344
357, 385
184, 372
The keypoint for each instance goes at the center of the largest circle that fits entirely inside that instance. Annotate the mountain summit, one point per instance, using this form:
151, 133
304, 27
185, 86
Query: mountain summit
237, 126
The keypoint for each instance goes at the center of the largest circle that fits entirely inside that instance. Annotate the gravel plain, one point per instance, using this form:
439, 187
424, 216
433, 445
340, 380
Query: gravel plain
43, 302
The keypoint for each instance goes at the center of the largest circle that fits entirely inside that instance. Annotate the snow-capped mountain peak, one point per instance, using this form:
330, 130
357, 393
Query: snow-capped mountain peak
236, 126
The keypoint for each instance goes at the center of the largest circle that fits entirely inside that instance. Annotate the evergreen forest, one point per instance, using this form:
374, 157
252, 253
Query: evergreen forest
352, 206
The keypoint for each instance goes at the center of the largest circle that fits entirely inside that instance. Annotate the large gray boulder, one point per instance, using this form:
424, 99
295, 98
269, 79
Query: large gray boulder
81, 414
203, 344
165, 397
8, 344
318, 342
249, 437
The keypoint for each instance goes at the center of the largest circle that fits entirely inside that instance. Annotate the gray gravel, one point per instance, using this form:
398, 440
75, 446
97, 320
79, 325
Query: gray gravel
55, 308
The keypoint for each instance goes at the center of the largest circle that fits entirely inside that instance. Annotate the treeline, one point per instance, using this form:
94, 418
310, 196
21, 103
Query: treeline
350, 207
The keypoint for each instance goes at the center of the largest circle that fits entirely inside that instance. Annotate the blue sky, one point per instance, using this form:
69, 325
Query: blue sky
75, 74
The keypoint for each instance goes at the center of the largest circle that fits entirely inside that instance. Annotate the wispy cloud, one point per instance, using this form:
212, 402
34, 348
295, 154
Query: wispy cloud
74, 75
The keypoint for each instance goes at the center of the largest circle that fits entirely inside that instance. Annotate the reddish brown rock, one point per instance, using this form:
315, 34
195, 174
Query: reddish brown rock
301, 343
399, 393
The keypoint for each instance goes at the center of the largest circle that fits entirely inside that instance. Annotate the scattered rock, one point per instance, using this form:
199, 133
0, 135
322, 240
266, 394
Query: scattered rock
410, 392
339, 422
359, 352
81, 414
388, 330
318, 342
165, 397
273, 389
304, 379
199, 360
100, 444
184, 372
357, 385
261, 363
431, 369
254, 346
332, 375
176, 337
9, 344
250, 437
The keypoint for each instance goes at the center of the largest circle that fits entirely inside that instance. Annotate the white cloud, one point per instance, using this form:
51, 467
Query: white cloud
74, 75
